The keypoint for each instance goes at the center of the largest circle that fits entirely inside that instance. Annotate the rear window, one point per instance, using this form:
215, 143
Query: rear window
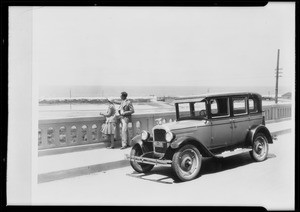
219, 107
239, 105
253, 105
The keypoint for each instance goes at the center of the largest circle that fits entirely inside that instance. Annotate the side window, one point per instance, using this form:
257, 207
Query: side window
239, 105
200, 110
184, 109
219, 107
213, 107
252, 105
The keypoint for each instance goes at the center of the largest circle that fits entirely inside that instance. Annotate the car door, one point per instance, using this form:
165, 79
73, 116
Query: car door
221, 127
240, 119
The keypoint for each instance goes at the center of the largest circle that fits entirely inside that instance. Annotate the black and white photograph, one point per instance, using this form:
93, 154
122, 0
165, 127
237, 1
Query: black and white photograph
152, 106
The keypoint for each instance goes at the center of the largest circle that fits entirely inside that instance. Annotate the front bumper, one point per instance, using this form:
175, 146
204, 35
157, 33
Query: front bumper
151, 161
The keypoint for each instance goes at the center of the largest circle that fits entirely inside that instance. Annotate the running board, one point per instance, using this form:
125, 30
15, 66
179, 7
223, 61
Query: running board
233, 152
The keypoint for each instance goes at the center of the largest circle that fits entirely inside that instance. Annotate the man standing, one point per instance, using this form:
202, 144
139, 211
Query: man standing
125, 110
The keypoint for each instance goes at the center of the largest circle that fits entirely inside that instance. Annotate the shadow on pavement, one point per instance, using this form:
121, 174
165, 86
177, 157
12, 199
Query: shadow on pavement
209, 166
212, 165
158, 174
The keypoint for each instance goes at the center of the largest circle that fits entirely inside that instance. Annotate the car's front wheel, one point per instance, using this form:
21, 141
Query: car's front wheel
139, 167
186, 162
259, 148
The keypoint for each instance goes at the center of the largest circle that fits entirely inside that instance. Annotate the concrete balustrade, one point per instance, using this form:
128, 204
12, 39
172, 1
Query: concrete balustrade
54, 133
273, 112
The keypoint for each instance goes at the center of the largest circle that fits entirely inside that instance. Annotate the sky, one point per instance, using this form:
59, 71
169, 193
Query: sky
164, 46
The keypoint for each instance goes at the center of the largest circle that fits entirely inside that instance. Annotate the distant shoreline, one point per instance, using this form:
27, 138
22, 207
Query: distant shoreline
102, 100
56, 101
100, 92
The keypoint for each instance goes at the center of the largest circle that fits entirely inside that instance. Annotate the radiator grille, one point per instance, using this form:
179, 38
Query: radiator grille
159, 135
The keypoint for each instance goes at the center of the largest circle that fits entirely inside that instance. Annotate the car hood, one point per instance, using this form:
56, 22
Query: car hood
181, 126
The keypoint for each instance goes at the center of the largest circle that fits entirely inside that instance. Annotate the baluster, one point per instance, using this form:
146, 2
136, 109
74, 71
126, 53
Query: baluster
138, 128
130, 130
94, 133
39, 138
279, 113
62, 135
285, 112
73, 135
50, 137
84, 130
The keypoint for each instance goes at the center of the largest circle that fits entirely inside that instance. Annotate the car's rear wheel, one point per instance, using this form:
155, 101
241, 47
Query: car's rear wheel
139, 167
186, 162
260, 147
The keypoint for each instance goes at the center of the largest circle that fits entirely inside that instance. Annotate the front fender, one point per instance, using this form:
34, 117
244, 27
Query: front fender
259, 129
179, 142
137, 140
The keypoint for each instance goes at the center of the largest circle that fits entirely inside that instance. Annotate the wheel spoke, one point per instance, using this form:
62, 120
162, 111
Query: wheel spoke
188, 162
260, 147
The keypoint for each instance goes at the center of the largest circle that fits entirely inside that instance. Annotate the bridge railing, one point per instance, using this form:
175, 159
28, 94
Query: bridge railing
274, 112
65, 132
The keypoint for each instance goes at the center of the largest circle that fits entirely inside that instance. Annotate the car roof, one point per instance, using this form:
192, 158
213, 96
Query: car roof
199, 98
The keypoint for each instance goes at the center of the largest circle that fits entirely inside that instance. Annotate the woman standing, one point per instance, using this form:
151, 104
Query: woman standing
110, 124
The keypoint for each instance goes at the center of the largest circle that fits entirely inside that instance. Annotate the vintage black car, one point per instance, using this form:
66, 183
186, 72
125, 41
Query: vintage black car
211, 125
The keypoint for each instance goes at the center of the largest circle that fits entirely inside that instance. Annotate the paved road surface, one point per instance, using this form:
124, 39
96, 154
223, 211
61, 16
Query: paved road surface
236, 181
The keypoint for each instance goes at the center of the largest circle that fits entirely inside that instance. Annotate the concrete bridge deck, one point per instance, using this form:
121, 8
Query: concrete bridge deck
233, 181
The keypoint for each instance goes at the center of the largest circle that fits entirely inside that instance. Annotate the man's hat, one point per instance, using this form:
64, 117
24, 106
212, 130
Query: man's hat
124, 93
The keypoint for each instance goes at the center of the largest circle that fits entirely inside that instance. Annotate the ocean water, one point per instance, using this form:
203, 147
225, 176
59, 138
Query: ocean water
144, 91
92, 110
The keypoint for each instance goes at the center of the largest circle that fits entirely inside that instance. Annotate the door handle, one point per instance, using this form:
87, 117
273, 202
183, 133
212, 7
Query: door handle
232, 123
231, 127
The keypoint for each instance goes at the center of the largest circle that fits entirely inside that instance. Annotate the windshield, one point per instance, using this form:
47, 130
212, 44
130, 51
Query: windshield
191, 110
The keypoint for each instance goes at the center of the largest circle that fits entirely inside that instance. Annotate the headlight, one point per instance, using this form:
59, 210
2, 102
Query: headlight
169, 136
145, 135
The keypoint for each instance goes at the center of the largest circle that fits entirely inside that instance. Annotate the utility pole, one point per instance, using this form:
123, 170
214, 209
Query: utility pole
277, 76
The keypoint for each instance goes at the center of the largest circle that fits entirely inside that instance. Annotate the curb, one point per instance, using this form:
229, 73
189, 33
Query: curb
86, 170
78, 148
280, 132
278, 120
